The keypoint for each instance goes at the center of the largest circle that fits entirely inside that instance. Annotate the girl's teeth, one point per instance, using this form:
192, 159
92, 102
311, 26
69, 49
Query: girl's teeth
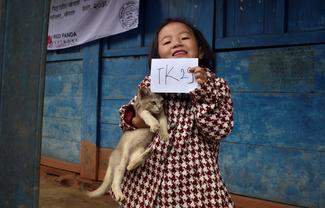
179, 53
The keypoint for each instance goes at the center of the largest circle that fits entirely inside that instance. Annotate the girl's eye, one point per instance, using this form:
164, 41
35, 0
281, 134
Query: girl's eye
167, 42
185, 38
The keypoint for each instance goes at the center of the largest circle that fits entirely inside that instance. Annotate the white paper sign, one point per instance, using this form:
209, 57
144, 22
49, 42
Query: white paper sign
73, 22
172, 75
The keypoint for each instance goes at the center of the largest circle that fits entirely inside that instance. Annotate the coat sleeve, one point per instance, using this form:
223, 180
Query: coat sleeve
127, 111
213, 108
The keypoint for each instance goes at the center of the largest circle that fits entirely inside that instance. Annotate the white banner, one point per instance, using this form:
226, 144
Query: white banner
74, 22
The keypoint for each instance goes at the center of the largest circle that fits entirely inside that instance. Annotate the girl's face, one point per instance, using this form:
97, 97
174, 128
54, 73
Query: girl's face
176, 40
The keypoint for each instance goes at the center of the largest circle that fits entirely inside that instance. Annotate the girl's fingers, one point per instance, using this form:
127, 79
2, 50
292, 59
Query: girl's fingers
199, 74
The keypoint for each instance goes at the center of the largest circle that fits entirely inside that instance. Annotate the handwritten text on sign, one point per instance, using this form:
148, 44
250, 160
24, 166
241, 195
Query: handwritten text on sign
173, 75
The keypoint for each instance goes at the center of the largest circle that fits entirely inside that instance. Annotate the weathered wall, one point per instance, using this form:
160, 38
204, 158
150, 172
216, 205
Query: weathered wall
276, 150
62, 110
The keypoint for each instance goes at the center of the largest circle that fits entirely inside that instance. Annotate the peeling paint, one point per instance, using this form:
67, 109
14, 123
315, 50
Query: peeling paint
279, 68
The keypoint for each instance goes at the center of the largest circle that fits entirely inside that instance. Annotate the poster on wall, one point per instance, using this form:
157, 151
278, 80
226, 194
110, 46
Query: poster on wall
74, 22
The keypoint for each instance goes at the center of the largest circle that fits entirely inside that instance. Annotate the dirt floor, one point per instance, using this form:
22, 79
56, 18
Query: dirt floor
69, 192
60, 189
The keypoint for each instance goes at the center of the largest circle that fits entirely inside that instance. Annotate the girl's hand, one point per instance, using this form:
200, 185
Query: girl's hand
138, 122
200, 74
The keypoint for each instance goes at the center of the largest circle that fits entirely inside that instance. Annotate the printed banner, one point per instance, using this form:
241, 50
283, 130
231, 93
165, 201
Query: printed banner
74, 22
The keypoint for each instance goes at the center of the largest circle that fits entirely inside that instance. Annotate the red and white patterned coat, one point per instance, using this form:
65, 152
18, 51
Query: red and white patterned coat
184, 171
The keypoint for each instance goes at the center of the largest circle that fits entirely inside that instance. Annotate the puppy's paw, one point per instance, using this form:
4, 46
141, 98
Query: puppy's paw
154, 127
119, 196
134, 164
163, 135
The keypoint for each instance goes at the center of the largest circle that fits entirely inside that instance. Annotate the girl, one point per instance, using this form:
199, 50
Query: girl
184, 171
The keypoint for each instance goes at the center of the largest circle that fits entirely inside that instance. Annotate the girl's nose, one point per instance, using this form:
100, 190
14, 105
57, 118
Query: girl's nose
177, 43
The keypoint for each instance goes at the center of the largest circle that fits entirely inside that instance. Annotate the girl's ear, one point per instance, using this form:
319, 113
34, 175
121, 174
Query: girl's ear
201, 53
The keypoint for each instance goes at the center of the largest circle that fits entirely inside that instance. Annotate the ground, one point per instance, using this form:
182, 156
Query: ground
60, 189
69, 192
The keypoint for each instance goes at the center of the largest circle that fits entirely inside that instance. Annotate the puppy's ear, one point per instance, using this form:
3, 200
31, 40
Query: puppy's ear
143, 91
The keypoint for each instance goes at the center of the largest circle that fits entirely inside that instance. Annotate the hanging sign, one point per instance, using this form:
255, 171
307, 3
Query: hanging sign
172, 75
74, 22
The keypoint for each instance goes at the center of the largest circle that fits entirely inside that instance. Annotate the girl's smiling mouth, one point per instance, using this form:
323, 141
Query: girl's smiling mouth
179, 53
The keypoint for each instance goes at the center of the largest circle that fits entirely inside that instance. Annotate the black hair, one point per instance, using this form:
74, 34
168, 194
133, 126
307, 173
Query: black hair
207, 60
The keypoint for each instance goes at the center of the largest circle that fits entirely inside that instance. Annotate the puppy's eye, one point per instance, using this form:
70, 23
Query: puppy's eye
153, 102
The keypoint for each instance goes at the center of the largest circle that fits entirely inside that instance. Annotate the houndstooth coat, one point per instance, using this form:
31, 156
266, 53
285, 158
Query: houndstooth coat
184, 171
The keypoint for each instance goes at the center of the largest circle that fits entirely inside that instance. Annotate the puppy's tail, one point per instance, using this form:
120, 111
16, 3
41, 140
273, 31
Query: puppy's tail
103, 187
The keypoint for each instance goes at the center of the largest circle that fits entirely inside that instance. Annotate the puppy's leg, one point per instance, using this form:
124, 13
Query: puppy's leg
137, 158
163, 131
118, 177
150, 120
